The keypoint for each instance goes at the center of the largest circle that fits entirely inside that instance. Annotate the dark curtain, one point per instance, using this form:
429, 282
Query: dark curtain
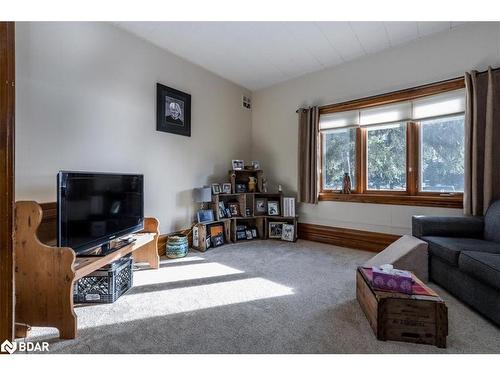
308, 154
482, 141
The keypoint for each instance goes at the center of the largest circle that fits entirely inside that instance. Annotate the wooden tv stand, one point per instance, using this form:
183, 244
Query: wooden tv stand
44, 275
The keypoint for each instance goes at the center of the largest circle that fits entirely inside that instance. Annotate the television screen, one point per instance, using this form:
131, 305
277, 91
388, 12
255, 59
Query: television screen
95, 208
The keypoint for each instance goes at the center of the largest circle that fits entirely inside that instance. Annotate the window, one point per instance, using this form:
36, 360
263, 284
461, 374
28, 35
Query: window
442, 154
386, 157
401, 148
339, 157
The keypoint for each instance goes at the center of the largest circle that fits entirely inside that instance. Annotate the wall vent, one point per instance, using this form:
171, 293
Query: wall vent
246, 102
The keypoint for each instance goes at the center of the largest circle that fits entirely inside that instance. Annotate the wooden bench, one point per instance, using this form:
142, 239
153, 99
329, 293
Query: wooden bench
44, 275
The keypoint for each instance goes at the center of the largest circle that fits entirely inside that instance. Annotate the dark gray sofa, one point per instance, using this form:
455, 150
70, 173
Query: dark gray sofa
464, 257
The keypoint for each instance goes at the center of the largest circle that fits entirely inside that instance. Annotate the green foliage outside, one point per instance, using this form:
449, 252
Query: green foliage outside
340, 157
386, 158
442, 156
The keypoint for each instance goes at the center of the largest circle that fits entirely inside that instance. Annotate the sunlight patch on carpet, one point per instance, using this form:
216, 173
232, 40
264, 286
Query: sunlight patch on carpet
180, 300
183, 272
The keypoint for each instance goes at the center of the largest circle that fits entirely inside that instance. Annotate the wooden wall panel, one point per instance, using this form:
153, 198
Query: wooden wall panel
352, 238
7, 109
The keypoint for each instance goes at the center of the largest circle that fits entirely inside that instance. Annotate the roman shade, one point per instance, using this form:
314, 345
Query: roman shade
385, 114
444, 104
448, 103
339, 120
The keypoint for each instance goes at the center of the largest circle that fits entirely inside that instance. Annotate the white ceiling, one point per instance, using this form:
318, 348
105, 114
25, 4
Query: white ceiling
256, 55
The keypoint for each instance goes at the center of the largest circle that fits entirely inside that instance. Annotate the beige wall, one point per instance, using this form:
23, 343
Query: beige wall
86, 95
274, 122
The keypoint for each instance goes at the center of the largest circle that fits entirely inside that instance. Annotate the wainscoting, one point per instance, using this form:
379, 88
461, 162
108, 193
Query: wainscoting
352, 238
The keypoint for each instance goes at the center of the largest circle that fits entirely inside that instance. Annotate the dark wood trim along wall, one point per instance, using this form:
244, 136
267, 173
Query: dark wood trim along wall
7, 111
352, 238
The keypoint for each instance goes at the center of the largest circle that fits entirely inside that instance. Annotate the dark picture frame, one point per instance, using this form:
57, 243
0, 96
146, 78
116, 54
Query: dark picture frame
175, 117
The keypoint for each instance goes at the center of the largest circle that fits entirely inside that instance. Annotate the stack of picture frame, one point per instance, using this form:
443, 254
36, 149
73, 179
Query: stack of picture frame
246, 215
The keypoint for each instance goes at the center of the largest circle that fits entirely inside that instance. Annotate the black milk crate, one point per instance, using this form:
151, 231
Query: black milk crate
106, 284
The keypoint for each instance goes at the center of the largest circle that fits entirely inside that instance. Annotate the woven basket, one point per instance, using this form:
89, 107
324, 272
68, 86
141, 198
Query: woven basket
177, 246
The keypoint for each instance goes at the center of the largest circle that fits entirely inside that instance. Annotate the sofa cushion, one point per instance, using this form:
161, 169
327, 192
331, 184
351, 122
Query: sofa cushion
484, 267
449, 248
492, 222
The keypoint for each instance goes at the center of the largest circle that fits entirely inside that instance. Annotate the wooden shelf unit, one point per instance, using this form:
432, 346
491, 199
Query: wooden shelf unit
260, 221
45, 275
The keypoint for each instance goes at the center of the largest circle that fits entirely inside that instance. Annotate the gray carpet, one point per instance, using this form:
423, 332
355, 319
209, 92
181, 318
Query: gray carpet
254, 297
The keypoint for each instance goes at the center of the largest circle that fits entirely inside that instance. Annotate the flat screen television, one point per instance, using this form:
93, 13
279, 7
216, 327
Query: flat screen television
95, 208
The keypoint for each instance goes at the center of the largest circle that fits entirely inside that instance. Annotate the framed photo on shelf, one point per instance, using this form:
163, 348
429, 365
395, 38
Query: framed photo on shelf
273, 208
241, 235
215, 189
255, 164
249, 234
226, 188
288, 232
241, 188
238, 165
217, 240
275, 229
254, 233
234, 207
173, 111
222, 209
260, 205
205, 216
228, 213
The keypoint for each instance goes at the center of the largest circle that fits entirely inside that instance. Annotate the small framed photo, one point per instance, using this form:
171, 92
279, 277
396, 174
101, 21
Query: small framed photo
228, 213
248, 211
217, 240
241, 188
288, 232
254, 233
273, 208
260, 205
275, 229
205, 216
226, 188
215, 188
255, 164
241, 235
222, 209
207, 242
249, 234
234, 207
238, 165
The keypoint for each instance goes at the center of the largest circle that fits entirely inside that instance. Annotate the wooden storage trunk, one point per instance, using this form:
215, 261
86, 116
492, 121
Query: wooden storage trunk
400, 317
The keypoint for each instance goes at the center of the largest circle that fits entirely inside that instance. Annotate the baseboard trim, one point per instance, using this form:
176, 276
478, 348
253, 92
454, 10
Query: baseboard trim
352, 238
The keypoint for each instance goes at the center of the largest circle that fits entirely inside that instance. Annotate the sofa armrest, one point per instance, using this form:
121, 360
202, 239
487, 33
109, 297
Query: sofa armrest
470, 226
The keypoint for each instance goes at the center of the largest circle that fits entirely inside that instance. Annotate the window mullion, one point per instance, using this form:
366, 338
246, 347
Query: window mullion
412, 158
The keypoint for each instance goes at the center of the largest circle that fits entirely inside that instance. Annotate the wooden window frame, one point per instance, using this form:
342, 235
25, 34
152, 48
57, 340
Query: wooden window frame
412, 196
7, 111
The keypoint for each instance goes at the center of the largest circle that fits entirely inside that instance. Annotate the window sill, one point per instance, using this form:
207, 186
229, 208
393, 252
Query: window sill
396, 199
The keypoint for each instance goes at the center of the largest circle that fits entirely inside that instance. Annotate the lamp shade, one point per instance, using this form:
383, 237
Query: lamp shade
203, 194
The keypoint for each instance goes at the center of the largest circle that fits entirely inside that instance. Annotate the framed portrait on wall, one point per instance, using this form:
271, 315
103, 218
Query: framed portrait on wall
173, 111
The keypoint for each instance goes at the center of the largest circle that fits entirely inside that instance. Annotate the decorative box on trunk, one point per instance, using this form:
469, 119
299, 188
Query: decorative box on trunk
388, 278
106, 284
